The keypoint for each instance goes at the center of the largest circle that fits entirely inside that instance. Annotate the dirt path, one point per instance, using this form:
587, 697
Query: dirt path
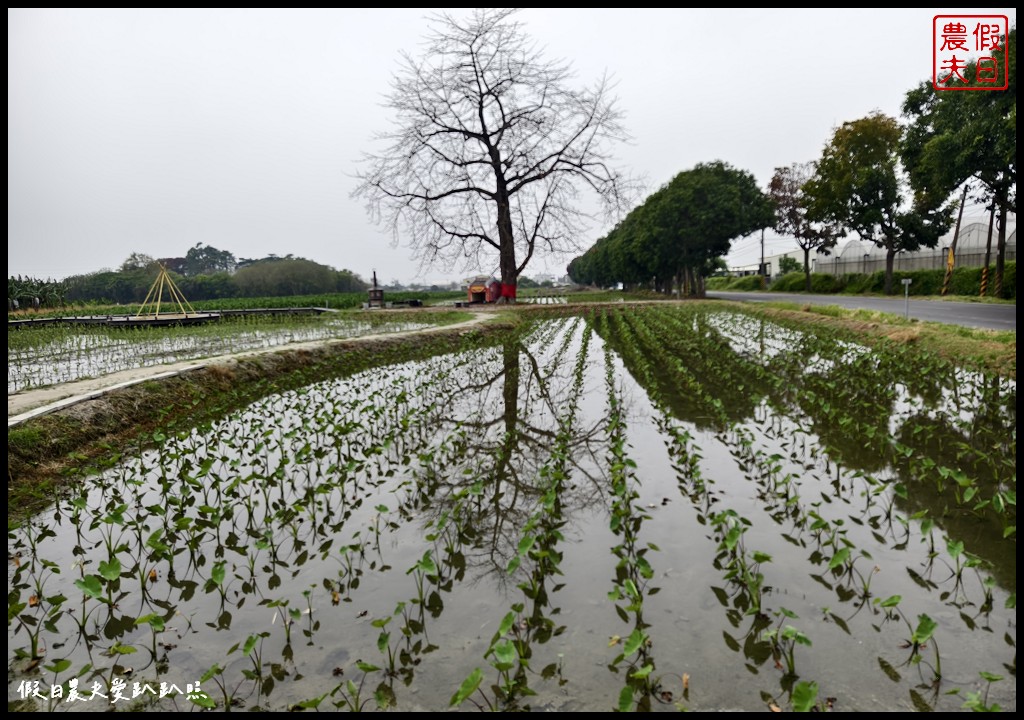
31, 403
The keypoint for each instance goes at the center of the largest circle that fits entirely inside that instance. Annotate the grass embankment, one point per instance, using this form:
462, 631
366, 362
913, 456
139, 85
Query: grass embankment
993, 351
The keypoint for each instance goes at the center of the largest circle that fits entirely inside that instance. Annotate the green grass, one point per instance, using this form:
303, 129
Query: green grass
25, 440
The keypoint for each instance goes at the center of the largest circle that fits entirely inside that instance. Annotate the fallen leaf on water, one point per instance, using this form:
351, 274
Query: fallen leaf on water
686, 682
774, 708
33, 600
614, 640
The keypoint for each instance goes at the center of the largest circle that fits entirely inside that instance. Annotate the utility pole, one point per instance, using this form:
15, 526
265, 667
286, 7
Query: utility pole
763, 272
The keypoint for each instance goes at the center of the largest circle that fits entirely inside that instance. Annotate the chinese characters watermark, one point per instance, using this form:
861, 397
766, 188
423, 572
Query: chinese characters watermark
118, 691
968, 52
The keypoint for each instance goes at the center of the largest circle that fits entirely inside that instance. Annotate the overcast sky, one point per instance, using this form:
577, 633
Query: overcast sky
153, 130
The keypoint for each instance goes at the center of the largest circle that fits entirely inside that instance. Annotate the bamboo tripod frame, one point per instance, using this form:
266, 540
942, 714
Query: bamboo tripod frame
156, 294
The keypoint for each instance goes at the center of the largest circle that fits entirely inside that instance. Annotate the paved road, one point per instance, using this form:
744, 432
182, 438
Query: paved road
979, 315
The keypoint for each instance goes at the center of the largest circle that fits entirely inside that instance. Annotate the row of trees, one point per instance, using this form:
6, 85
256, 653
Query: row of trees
267, 277
199, 260
861, 184
675, 237
893, 185
968, 138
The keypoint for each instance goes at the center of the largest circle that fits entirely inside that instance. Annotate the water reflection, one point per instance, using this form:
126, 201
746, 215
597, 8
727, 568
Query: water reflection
680, 485
257, 526
869, 420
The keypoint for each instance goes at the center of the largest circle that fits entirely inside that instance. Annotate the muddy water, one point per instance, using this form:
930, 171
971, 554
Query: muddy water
362, 531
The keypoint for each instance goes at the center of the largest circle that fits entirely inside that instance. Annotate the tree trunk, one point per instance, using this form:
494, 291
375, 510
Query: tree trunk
807, 268
890, 261
951, 258
1001, 254
510, 395
988, 251
506, 238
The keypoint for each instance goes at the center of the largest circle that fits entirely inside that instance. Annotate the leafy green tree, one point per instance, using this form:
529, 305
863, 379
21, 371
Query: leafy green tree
204, 260
34, 292
959, 136
348, 281
790, 265
675, 238
787, 191
138, 261
285, 276
177, 265
693, 220
860, 185
207, 287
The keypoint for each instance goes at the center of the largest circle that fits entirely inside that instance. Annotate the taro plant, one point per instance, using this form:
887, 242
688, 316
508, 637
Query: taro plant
977, 700
803, 696
921, 635
784, 640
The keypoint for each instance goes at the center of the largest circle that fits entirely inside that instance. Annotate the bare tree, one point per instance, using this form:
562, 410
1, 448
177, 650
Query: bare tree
490, 150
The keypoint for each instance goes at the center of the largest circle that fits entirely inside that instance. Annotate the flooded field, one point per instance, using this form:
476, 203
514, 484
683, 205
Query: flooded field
663, 508
37, 357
